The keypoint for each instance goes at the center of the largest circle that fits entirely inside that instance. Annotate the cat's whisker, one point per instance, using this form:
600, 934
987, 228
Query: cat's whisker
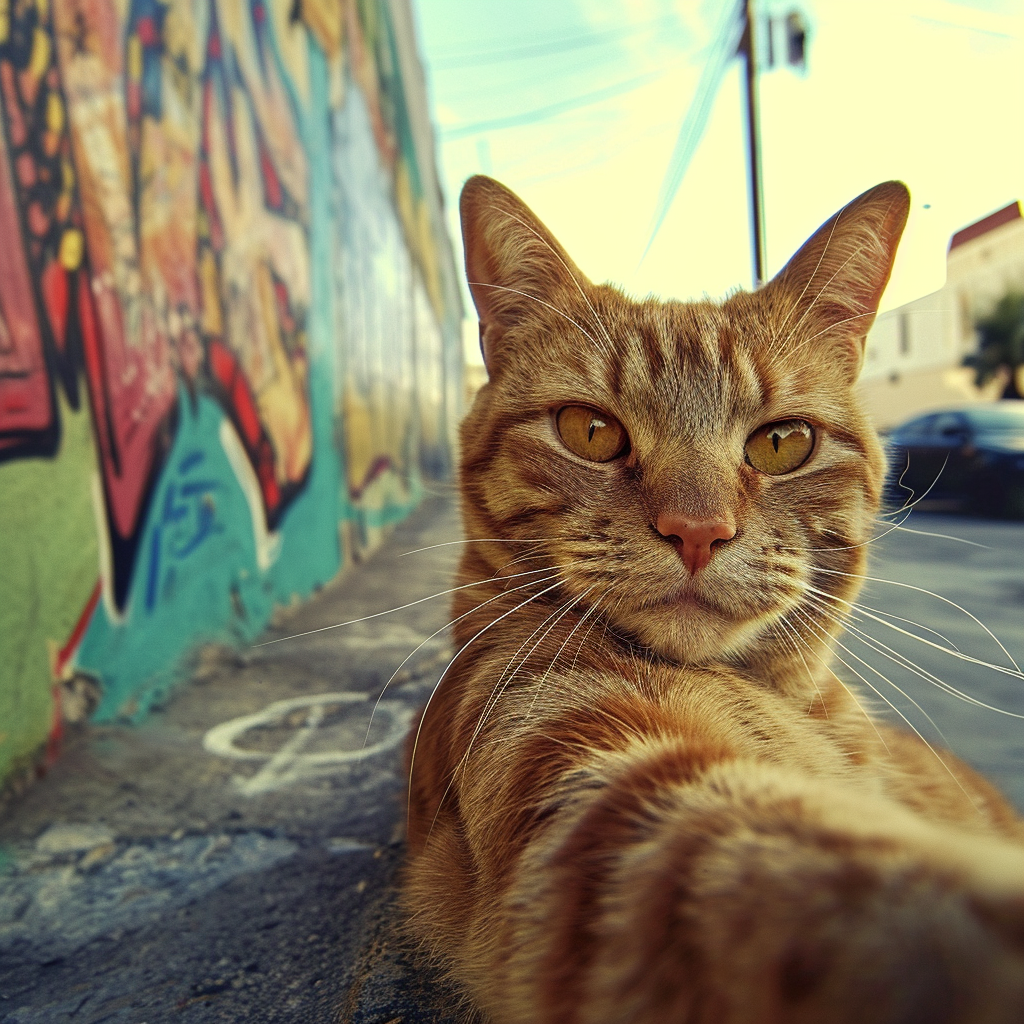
916, 501
441, 678
943, 536
790, 637
527, 558
909, 502
890, 527
540, 682
479, 540
900, 618
866, 608
908, 722
851, 628
1016, 672
447, 625
586, 636
495, 696
400, 608
847, 547
828, 668
902, 661
953, 652
505, 678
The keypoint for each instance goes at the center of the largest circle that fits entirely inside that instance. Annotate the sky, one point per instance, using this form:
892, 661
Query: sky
576, 105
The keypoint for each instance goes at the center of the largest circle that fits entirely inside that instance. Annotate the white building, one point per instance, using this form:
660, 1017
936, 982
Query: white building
914, 353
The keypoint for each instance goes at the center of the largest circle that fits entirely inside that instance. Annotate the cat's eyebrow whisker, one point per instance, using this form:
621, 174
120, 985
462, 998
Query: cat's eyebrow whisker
540, 301
910, 724
437, 685
400, 608
1016, 672
447, 625
554, 252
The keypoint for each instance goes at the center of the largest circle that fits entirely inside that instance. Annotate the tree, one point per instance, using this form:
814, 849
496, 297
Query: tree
1000, 343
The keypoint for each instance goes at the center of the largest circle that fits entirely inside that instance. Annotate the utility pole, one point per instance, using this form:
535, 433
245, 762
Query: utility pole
748, 47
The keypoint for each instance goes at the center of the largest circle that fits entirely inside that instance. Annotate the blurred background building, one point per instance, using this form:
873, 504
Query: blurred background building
915, 353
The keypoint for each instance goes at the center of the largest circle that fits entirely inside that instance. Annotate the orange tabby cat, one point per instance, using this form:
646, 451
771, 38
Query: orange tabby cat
639, 794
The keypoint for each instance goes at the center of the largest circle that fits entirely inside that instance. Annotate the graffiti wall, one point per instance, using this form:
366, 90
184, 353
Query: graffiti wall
228, 329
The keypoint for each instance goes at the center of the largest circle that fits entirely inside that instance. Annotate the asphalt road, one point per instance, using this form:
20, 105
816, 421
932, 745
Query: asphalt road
958, 587
235, 859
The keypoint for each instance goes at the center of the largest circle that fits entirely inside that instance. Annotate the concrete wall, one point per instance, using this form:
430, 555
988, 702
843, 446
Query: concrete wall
229, 330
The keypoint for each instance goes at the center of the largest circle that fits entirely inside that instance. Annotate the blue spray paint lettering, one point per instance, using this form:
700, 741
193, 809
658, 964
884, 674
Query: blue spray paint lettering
188, 517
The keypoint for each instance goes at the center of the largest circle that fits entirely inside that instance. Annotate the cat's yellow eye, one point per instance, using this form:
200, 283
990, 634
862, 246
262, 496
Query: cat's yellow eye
590, 434
778, 448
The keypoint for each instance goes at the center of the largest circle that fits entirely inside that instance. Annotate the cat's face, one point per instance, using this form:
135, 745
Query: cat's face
700, 472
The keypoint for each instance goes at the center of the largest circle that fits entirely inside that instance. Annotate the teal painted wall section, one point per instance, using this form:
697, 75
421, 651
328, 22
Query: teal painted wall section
209, 571
228, 332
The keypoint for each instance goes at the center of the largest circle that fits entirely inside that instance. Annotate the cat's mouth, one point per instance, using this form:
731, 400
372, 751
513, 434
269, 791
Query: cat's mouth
687, 598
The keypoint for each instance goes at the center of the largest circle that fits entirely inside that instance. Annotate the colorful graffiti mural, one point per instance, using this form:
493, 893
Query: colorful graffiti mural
227, 317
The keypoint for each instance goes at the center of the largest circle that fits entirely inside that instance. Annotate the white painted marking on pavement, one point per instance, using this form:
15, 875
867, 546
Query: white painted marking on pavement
289, 764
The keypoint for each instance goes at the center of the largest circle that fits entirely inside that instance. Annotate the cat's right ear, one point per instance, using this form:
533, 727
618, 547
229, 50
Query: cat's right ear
516, 270
837, 278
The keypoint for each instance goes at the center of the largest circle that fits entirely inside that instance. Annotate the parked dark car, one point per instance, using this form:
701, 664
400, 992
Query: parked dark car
971, 456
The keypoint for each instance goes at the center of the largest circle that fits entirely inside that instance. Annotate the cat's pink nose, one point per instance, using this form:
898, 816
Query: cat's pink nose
695, 539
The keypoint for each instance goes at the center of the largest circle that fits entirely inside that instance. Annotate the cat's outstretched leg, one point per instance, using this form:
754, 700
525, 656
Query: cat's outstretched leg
752, 895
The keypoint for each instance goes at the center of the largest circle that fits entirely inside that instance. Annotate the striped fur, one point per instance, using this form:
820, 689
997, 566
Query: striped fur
639, 794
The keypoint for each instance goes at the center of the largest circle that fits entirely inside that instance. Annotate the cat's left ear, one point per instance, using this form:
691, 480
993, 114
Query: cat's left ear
517, 271
838, 276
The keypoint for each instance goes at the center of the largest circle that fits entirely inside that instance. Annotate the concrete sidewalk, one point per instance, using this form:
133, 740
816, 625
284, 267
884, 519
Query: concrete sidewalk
235, 857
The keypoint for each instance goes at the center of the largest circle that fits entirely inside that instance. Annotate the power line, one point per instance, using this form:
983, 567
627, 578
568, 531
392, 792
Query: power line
727, 39
543, 48
552, 109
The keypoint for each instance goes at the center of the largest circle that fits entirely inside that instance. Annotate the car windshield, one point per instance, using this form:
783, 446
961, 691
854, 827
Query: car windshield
998, 418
